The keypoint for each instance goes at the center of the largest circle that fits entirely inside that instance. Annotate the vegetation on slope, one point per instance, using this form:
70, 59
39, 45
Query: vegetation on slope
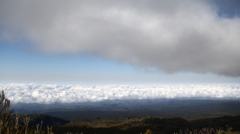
157, 125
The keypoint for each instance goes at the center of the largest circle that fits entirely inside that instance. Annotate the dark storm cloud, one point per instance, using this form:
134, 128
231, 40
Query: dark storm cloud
179, 36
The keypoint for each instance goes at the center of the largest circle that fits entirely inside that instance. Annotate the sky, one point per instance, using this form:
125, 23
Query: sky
121, 41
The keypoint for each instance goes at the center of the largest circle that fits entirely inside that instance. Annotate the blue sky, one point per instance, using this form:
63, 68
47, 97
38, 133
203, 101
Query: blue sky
97, 46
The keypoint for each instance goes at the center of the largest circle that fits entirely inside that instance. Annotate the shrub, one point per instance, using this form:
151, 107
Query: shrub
9, 122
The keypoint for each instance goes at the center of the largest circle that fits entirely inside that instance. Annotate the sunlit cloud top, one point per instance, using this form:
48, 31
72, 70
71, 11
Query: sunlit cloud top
54, 93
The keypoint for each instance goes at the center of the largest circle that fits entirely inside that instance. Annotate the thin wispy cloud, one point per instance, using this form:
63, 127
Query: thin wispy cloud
54, 93
179, 36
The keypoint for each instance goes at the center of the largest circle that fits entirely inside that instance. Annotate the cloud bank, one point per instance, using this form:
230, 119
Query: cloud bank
179, 36
53, 93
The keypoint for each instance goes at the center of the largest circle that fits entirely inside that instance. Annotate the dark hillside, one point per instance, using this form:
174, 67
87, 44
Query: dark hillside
130, 109
220, 122
155, 124
45, 119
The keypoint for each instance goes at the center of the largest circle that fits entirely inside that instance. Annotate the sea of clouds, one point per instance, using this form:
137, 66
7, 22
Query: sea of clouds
70, 93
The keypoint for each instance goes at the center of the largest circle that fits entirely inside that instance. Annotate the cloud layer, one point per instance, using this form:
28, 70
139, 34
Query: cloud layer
52, 93
179, 36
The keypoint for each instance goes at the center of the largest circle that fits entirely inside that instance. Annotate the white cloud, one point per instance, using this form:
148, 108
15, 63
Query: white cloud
179, 36
52, 93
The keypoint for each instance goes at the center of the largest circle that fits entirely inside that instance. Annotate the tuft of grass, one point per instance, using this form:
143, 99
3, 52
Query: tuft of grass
148, 131
228, 131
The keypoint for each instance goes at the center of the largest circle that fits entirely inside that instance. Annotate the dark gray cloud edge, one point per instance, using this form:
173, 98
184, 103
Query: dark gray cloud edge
184, 36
